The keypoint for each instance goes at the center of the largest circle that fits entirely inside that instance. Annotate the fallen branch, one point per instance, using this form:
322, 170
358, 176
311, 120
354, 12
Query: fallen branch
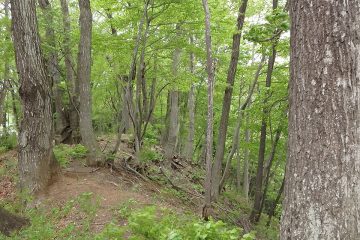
134, 171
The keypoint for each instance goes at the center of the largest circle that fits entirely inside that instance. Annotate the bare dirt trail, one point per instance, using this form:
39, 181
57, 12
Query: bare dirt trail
110, 189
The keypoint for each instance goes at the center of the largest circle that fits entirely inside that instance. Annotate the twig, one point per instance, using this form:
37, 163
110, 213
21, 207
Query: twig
94, 170
134, 171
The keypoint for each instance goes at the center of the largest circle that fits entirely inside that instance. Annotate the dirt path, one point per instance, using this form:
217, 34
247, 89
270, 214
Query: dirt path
111, 190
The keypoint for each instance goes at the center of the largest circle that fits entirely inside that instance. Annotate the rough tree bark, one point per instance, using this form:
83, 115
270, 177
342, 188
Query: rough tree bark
209, 129
72, 81
52, 61
36, 133
322, 186
84, 75
171, 145
220, 146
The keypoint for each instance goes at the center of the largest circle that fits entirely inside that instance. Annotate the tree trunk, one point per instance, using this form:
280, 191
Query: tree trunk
171, 145
84, 74
267, 173
209, 129
53, 67
153, 89
275, 203
141, 106
262, 146
5, 84
189, 145
172, 139
241, 108
127, 103
246, 182
14, 107
10, 222
36, 133
71, 79
323, 170
220, 146
3, 92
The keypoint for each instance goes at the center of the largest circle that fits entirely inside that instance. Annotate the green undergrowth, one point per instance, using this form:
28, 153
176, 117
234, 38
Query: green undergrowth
65, 153
145, 223
7, 142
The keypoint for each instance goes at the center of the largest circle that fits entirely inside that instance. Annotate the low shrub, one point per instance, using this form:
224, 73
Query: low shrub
65, 153
8, 142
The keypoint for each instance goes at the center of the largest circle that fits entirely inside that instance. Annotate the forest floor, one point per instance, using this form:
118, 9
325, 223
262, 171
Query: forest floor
110, 194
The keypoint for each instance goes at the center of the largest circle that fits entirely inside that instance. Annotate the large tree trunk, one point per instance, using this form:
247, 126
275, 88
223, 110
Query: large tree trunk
172, 139
220, 146
322, 186
72, 81
84, 74
172, 142
209, 129
53, 67
10, 222
36, 132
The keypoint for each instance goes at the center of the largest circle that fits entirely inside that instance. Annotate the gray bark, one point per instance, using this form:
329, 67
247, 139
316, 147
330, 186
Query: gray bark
172, 142
53, 67
322, 186
209, 129
3, 92
36, 134
13, 105
71, 78
5, 84
246, 182
172, 139
84, 76
141, 107
189, 145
